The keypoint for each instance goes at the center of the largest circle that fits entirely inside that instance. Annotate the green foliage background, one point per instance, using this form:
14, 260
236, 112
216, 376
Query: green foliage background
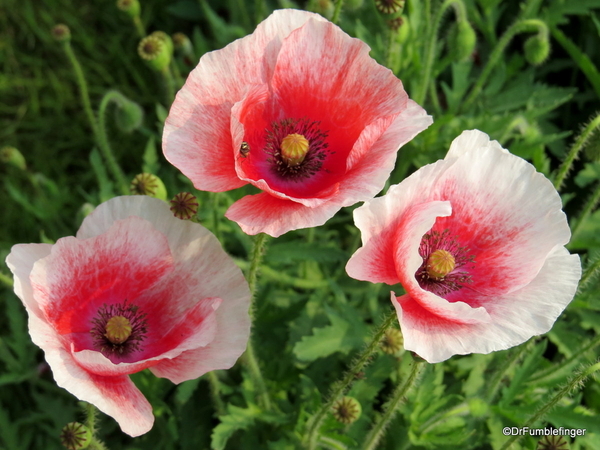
309, 312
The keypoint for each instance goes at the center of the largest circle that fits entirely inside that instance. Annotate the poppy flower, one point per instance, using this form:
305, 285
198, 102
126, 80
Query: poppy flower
136, 289
477, 241
298, 109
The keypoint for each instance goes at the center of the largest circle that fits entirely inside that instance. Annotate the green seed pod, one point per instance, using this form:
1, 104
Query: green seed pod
183, 44
131, 7
61, 33
166, 39
148, 184
537, 49
353, 5
465, 40
389, 6
392, 341
12, 156
346, 410
76, 436
155, 52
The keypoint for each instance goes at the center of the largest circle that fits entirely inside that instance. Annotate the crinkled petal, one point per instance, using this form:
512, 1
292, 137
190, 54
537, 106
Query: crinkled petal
515, 317
20, 261
200, 148
116, 396
263, 213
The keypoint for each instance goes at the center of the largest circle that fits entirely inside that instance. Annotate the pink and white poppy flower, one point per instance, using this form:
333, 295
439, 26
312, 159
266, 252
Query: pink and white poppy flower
477, 241
136, 288
298, 109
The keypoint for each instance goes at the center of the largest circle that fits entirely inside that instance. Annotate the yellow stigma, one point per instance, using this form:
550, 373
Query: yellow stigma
118, 329
440, 263
294, 148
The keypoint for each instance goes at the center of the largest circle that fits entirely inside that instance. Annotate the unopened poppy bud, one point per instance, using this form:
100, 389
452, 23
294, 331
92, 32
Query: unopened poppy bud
148, 184
184, 205
155, 52
294, 148
389, 6
537, 49
75, 436
465, 40
183, 44
131, 7
346, 410
12, 156
128, 115
166, 39
61, 33
392, 341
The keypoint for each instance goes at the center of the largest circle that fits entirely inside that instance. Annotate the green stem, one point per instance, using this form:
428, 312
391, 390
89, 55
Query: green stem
6, 280
582, 60
139, 27
83, 88
250, 357
103, 142
337, 11
590, 272
90, 417
215, 213
213, 380
521, 26
587, 210
378, 430
259, 9
558, 367
575, 384
168, 83
421, 95
580, 142
508, 364
341, 387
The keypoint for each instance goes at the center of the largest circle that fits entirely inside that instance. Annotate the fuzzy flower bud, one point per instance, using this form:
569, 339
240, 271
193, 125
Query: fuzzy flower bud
61, 33
346, 410
155, 52
537, 49
75, 436
184, 205
131, 7
465, 40
128, 115
12, 156
148, 184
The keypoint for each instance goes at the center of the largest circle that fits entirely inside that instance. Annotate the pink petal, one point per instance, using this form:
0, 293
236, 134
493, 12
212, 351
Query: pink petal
20, 261
203, 149
79, 276
116, 396
263, 213
515, 317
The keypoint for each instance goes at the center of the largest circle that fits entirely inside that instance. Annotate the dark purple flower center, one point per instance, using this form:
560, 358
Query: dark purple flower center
297, 148
444, 261
118, 329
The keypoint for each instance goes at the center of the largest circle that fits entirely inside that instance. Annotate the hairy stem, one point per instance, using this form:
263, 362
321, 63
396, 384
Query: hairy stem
104, 144
576, 383
337, 10
250, 356
579, 144
522, 26
341, 387
378, 430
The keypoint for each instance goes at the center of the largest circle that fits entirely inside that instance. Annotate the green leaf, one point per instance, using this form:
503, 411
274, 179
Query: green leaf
324, 341
150, 157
